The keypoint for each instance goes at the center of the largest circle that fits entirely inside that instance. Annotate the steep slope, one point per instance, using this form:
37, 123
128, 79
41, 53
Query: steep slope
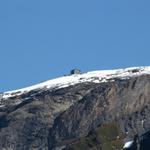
105, 110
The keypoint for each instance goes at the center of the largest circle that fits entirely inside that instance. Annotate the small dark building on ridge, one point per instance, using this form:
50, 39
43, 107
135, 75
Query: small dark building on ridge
75, 71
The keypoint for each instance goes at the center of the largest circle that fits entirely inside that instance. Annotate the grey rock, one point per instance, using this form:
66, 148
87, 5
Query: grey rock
54, 119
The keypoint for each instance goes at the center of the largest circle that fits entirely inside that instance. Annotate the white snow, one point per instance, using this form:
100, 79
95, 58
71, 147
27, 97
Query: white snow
95, 76
128, 144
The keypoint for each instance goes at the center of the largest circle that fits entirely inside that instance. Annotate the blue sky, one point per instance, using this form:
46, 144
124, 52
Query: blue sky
44, 39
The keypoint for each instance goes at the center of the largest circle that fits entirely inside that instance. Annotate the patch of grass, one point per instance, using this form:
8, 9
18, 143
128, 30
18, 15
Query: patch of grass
105, 137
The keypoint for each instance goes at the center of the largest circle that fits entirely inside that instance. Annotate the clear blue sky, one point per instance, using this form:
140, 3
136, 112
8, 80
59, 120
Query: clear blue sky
44, 39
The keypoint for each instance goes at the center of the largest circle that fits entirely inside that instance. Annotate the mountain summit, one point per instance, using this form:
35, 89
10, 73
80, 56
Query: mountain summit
99, 110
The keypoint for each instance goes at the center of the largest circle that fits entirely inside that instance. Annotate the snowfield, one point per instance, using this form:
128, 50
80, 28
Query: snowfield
94, 76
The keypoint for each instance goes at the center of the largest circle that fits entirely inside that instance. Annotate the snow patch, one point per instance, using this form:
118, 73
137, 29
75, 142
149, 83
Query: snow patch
95, 76
128, 144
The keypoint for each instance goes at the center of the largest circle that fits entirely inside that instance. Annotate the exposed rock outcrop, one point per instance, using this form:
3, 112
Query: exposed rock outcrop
94, 116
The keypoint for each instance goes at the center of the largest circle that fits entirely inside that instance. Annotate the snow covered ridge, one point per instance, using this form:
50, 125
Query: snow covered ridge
94, 76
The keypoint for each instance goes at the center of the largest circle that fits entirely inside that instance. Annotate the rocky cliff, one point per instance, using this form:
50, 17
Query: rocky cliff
95, 111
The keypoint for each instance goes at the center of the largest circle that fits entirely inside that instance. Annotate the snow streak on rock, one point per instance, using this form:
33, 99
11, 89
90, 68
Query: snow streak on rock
128, 144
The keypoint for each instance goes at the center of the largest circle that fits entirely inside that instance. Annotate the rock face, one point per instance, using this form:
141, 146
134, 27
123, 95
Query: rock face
94, 116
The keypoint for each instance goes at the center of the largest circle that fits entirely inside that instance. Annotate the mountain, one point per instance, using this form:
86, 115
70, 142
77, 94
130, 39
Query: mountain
99, 110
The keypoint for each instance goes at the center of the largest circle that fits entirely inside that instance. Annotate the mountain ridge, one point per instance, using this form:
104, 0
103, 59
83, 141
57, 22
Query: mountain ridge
107, 112
79, 78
